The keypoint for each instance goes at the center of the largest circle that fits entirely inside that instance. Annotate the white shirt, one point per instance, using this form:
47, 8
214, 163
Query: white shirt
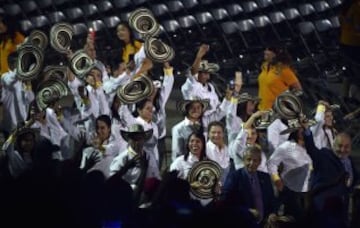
273, 134
296, 166
17, 164
160, 115
16, 100
181, 131
237, 149
183, 167
323, 137
133, 174
111, 147
233, 123
221, 156
193, 88
127, 118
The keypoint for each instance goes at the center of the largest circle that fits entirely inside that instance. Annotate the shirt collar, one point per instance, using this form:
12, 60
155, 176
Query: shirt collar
188, 122
192, 158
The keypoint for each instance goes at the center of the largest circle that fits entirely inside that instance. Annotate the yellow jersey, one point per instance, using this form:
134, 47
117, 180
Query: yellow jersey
272, 82
130, 49
6, 48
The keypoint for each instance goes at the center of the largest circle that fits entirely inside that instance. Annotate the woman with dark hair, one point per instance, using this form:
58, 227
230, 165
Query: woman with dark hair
103, 147
10, 37
276, 76
247, 137
129, 45
132, 50
294, 178
143, 115
245, 107
19, 154
195, 120
195, 151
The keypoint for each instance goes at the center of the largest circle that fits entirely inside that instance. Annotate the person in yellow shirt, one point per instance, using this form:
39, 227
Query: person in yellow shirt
276, 77
130, 46
10, 37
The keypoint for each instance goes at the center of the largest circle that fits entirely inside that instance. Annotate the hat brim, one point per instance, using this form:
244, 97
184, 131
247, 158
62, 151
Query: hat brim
181, 105
61, 29
146, 135
289, 130
157, 51
209, 68
136, 90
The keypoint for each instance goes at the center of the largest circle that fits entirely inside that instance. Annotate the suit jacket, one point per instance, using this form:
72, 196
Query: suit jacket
237, 193
328, 171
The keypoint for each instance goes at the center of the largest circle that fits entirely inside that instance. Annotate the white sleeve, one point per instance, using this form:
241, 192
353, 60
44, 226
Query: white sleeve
8, 79
126, 116
29, 96
167, 87
177, 143
274, 161
238, 146
188, 86
111, 149
319, 118
230, 123
111, 85
219, 113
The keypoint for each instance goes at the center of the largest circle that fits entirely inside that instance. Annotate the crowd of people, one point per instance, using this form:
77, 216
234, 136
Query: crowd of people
99, 162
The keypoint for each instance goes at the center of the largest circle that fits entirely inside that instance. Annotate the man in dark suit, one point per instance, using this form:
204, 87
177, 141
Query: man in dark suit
333, 178
248, 193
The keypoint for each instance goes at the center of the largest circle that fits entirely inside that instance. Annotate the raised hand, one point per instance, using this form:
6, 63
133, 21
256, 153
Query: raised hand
204, 48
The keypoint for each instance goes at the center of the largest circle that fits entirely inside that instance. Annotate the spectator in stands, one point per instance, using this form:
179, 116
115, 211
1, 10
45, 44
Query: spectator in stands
324, 131
247, 137
135, 164
245, 107
10, 37
130, 47
333, 177
19, 154
216, 148
104, 147
195, 151
197, 83
195, 120
293, 180
276, 76
249, 192
16, 96
90, 49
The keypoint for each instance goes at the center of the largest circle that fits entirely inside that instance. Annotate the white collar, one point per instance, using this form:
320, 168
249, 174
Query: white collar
188, 122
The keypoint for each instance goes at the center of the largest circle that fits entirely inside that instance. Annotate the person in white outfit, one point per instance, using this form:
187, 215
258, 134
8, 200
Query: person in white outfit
244, 108
195, 152
195, 120
134, 164
247, 136
324, 131
19, 153
216, 148
90, 99
197, 83
104, 147
143, 116
296, 170
16, 98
